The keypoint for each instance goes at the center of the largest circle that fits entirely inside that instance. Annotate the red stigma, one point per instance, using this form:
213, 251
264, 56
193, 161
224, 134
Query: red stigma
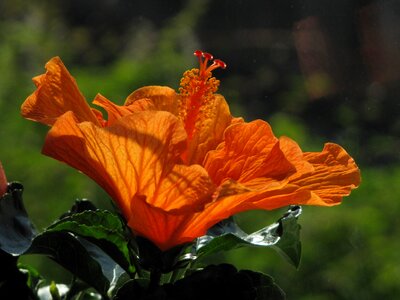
204, 58
198, 53
220, 63
207, 56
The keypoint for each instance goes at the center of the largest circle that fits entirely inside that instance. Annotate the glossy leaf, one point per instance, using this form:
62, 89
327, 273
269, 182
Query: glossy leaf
138, 289
115, 286
111, 270
289, 245
266, 288
222, 281
283, 236
16, 229
13, 282
103, 229
79, 206
66, 250
152, 258
34, 277
78, 289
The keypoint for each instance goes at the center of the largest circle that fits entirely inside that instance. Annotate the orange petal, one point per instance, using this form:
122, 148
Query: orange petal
278, 195
295, 155
163, 97
214, 117
335, 175
161, 227
162, 219
115, 111
184, 187
56, 93
133, 156
209, 124
272, 196
100, 118
249, 151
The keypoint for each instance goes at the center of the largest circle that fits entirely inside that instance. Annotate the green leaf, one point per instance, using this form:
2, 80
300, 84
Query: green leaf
138, 289
79, 206
66, 250
16, 229
111, 270
34, 277
265, 286
283, 236
13, 282
101, 228
224, 281
289, 245
78, 290
116, 285
152, 258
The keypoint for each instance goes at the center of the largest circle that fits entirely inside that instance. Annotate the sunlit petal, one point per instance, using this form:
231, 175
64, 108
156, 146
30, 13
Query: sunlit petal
161, 227
294, 154
115, 111
184, 187
276, 194
335, 175
133, 156
209, 126
163, 97
250, 150
323, 179
56, 93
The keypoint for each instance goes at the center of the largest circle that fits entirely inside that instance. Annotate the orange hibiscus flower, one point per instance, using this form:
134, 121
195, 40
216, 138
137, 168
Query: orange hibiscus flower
178, 163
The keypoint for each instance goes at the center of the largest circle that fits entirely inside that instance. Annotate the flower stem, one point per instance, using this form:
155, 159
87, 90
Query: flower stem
175, 275
155, 276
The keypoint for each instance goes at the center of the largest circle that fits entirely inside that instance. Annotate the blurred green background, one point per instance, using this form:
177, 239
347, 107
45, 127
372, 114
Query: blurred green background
317, 70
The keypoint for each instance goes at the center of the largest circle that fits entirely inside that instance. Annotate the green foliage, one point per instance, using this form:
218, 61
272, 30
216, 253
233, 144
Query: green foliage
87, 241
222, 281
289, 245
348, 251
283, 236
103, 229
16, 229
62, 243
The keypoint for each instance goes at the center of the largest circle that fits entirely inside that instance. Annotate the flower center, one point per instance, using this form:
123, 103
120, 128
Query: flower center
197, 87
